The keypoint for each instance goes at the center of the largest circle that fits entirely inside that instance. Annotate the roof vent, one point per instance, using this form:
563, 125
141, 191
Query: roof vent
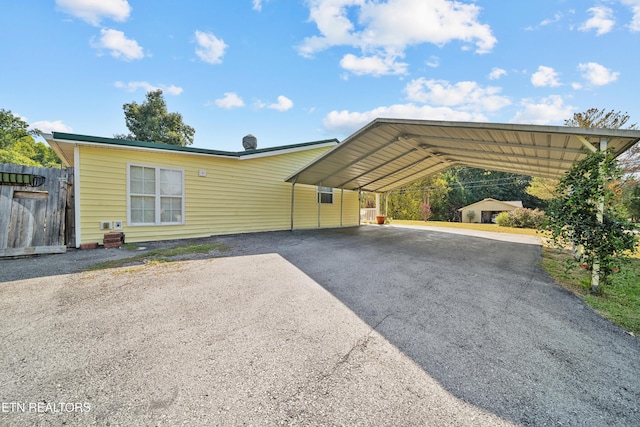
250, 142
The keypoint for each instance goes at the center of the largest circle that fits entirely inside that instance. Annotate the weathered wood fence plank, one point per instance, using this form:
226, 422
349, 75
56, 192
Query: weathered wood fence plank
32, 219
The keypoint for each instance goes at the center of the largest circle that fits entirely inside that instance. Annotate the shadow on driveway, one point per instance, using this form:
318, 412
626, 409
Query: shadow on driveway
480, 316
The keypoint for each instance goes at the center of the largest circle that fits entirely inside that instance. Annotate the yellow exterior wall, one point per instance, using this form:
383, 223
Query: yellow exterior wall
236, 196
306, 209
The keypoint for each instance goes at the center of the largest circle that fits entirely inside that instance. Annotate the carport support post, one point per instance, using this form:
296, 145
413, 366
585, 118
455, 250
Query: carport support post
595, 270
386, 204
359, 204
318, 199
378, 210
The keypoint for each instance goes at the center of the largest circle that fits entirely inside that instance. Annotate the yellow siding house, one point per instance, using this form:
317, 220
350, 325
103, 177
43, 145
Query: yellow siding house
159, 192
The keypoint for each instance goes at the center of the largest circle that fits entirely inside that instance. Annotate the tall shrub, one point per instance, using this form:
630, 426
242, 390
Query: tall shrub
573, 215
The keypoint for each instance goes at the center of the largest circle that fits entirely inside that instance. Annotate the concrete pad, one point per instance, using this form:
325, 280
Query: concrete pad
228, 341
502, 237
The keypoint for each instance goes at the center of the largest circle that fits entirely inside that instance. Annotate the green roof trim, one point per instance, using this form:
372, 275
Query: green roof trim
168, 147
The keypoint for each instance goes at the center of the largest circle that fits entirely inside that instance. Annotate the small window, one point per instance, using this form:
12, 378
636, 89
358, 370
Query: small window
325, 195
155, 196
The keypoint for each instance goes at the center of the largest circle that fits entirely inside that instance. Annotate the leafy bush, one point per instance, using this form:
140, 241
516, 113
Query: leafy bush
425, 211
471, 215
521, 218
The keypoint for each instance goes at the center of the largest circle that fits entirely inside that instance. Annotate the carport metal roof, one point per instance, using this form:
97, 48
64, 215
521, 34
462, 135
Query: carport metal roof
389, 153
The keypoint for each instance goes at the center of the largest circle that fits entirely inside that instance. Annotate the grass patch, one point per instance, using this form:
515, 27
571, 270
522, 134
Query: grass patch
158, 256
619, 301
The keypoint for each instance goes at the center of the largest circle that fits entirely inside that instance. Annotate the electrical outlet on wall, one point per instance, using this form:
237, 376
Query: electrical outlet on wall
117, 225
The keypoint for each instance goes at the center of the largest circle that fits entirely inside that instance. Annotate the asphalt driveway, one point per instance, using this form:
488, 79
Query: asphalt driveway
369, 325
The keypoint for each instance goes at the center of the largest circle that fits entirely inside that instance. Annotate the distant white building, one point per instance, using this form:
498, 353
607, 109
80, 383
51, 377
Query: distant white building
485, 211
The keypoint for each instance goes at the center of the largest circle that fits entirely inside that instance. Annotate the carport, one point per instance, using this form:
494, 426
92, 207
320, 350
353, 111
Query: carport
389, 153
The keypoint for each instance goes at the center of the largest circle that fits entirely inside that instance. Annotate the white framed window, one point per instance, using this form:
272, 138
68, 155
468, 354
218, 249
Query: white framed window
155, 195
325, 195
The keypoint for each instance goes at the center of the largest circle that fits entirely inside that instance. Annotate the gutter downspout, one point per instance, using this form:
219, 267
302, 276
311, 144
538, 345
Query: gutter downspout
76, 191
293, 192
341, 204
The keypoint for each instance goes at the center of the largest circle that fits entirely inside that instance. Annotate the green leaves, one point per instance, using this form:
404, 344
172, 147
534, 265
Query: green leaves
17, 145
573, 215
150, 121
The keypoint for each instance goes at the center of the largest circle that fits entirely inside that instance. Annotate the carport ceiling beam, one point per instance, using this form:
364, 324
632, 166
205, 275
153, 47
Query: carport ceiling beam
449, 151
586, 143
377, 167
395, 172
406, 167
542, 172
421, 174
492, 159
496, 144
361, 158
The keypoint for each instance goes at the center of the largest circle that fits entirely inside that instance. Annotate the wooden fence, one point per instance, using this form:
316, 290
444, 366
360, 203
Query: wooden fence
33, 209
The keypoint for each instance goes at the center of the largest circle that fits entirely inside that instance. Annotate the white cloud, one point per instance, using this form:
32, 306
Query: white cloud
211, 49
496, 73
257, 5
547, 111
148, 87
556, 18
120, 46
433, 61
545, 76
373, 65
596, 74
230, 100
283, 104
389, 27
466, 96
346, 122
47, 126
93, 11
635, 9
601, 21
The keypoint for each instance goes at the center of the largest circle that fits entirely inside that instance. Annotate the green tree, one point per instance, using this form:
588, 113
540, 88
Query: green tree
409, 202
631, 198
470, 185
601, 118
150, 121
18, 146
587, 211
12, 129
542, 188
603, 233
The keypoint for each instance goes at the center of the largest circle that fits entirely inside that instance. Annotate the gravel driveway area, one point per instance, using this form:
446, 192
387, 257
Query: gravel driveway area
374, 325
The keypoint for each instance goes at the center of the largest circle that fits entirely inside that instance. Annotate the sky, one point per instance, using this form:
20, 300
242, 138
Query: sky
293, 71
